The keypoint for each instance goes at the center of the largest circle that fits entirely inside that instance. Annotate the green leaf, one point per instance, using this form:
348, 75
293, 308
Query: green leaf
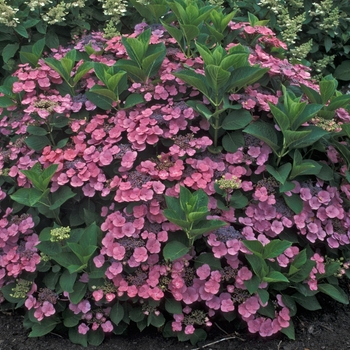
185, 199
280, 117
334, 292
199, 335
309, 303
255, 247
117, 313
232, 141
252, 284
95, 338
36, 130
217, 78
67, 259
315, 134
312, 94
307, 167
133, 100
156, 320
6, 102
265, 132
263, 295
258, 265
59, 68
289, 331
196, 80
67, 281
327, 89
136, 314
338, 102
172, 306
38, 47
200, 108
292, 138
21, 30
82, 71
308, 113
298, 262
174, 250
59, 197
275, 276
342, 72
244, 76
40, 329
275, 248
9, 51
208, 258
76, 338
49, 248
237, 120
204, 227
27, 196
70, 319
173, 217
80, 289
238, 200
174, 32
37, 143
89, 236
294, 202
101, 97
280, 174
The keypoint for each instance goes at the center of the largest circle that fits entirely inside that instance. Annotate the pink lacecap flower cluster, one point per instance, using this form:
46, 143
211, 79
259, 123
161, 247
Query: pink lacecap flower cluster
17, 246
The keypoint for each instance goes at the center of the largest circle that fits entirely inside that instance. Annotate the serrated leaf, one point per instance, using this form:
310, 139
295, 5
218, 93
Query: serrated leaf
275, 277
196, 80
174, 250
117, 313
6, 102
265, 132
133, 100
309, 303
342, 72
40, 329
254, 246
334, 292
294, 202
237, 120
208, 258
280, 174
232, 141
275, 248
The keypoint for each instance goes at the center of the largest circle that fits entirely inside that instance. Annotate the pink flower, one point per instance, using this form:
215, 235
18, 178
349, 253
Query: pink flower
107, 326
203, 271
83, 328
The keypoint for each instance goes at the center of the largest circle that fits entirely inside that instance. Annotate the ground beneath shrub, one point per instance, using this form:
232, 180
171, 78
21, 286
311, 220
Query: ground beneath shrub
327, 329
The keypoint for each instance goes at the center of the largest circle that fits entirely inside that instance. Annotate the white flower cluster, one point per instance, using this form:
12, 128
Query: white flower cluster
114, 8
8, 14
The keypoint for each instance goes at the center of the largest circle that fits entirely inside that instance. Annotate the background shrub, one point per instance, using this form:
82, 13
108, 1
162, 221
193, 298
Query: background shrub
316, 32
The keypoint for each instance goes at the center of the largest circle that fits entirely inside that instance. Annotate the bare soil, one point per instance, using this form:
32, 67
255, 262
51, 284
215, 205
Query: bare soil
326, 329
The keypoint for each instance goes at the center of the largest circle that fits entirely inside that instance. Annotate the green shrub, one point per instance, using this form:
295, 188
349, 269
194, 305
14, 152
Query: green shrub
316, 32
23, 23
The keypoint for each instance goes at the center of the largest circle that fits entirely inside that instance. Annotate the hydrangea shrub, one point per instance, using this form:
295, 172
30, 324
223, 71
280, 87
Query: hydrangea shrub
171, 182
